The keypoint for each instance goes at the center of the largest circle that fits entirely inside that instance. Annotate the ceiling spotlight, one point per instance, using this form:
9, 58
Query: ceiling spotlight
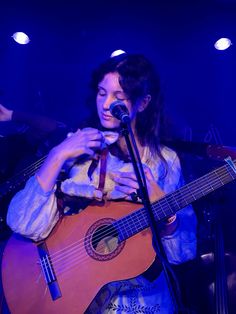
117, 53
21, 38
222, 43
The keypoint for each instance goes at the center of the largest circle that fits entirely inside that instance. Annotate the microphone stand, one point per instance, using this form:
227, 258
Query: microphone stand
126, 130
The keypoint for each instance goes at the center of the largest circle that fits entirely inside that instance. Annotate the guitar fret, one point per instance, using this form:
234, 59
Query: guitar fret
131, 225
219, 178
161, 207
181, 199
168, 204
168, 211
193, 196
171, 195
202, 191
232, 173
139, 225
18, 179
172, 202
123, 232
210, 186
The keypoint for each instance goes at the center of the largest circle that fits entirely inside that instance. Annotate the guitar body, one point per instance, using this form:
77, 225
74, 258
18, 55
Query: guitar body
82, 261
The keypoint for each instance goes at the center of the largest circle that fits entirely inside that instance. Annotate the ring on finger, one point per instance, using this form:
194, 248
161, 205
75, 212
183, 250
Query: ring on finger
134, 196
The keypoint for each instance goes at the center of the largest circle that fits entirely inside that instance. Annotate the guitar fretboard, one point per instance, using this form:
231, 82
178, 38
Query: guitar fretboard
171, 203
16, 181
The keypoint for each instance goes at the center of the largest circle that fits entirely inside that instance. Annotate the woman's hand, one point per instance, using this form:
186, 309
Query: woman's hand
5, 114
127, 184
85, 141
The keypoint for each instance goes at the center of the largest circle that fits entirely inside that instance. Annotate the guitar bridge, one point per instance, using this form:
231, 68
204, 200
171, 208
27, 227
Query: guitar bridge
48, 271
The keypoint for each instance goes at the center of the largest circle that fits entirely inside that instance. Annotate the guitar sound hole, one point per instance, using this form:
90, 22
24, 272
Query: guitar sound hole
105, 240
102, 240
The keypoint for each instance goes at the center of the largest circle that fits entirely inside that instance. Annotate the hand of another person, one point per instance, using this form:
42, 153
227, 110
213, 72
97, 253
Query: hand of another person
85, 141
5, 114
127, 184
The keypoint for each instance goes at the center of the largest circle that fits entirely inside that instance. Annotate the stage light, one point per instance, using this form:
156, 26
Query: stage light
222, 43
117, 53
21, 38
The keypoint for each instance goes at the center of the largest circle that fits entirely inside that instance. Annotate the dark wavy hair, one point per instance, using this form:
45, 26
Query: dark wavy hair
138, 78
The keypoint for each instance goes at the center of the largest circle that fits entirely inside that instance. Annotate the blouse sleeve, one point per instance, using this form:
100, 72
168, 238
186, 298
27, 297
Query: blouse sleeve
32, 212
181, 245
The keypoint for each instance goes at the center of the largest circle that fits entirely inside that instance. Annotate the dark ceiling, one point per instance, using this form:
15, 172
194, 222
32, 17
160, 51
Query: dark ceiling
69, 38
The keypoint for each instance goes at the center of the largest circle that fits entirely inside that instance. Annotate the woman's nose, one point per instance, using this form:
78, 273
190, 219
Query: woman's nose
107, 103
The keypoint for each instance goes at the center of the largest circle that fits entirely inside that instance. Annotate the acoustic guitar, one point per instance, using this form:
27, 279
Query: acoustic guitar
84, 252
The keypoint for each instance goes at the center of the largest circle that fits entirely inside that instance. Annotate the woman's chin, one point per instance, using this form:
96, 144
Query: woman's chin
110, 125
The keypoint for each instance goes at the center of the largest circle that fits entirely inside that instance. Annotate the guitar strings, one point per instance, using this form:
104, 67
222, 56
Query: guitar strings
67, 262
31, 169
162, 209
158, 205
25, 173
111, 233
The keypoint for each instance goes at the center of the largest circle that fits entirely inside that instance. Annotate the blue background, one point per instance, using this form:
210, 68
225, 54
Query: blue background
70, 38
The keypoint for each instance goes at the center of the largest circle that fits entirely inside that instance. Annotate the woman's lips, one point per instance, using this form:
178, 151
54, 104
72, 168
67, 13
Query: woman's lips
106, 116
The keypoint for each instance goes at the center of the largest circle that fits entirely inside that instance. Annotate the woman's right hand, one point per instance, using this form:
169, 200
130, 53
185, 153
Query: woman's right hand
85, 141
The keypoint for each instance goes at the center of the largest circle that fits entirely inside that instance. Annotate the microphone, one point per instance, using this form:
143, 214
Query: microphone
119, 110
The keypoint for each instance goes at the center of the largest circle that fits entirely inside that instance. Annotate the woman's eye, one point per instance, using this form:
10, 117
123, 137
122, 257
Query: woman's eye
101, 92
120, 96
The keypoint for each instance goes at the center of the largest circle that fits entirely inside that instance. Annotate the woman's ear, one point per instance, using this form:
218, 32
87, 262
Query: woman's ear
144, 103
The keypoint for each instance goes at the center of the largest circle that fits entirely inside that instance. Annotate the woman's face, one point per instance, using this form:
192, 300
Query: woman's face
109, 90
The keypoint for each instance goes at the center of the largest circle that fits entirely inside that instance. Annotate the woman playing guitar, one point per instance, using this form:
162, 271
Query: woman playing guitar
100, 170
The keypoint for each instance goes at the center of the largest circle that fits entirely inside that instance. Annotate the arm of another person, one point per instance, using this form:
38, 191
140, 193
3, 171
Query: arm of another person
33, 211
5, 114
41, 123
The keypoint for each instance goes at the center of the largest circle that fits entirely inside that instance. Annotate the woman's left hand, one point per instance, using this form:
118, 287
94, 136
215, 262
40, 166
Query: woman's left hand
127, 183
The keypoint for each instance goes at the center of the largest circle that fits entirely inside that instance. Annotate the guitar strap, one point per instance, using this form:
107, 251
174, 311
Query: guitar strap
103, 168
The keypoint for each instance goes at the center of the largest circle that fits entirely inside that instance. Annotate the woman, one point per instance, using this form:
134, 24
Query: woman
33, 212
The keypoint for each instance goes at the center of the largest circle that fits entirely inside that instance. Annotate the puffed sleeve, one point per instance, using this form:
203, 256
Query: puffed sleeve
32, 212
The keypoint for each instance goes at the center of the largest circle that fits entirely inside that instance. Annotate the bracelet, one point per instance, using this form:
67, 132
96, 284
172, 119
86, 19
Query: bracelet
171, 219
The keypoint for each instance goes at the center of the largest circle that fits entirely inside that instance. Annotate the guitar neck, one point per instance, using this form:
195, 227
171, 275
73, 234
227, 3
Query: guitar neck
16, 181
173, 202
